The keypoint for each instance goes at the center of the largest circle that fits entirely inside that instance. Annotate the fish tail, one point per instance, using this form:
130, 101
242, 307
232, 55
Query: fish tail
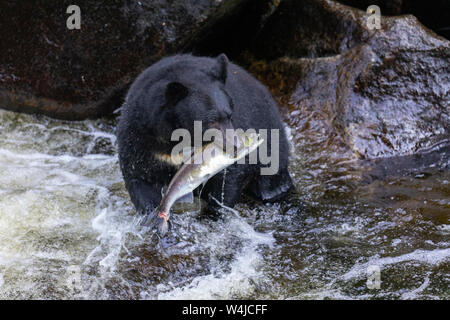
158, 219
163, 222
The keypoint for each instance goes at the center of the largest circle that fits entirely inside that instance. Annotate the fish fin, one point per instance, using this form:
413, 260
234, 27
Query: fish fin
187, 198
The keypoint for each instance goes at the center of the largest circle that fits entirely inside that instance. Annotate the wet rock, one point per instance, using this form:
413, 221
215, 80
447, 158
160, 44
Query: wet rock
231, 29
435, 15
75, 74
377, 93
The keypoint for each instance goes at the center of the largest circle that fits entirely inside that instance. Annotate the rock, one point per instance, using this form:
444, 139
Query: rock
386, 92
375, 93
76, 74
435, 15
231, 29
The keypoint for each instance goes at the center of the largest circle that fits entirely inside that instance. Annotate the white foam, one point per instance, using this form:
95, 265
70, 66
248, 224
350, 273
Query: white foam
238, 282
48, 200
244, 272
112, 227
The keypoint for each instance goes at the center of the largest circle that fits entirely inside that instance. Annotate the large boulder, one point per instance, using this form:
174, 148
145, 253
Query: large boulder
385, 92
75, 74
376, 92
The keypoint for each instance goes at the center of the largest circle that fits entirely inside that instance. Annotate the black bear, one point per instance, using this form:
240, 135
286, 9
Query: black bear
172, 94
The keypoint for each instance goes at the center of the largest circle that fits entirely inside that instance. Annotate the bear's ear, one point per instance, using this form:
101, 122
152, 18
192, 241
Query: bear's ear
220, 69
175, 92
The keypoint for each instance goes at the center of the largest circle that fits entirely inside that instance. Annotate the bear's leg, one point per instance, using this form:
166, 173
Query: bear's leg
270, 188
145, 196
218, 192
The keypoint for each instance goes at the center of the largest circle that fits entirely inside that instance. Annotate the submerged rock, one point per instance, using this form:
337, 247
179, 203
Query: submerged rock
75, 74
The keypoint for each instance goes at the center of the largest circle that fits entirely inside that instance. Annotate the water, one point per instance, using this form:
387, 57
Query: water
68, 229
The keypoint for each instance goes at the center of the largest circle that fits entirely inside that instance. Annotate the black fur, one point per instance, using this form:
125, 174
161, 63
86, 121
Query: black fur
172, 94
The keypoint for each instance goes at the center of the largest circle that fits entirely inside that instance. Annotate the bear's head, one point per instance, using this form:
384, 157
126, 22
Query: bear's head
196, 95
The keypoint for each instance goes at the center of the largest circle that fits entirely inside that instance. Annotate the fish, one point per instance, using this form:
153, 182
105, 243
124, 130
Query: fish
197, 170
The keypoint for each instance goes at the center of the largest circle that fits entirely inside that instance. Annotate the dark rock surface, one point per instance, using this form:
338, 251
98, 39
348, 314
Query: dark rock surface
76, 74
232, 29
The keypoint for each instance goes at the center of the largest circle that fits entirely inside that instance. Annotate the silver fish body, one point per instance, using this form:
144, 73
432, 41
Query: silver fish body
201, 166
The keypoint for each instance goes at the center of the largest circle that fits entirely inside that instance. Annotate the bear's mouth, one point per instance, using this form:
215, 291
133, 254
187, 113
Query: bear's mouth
230, 141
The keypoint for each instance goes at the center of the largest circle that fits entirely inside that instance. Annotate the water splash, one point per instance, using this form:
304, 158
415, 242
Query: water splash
64, 206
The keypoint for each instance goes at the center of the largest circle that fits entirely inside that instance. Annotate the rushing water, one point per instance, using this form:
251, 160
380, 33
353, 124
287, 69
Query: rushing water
68, 229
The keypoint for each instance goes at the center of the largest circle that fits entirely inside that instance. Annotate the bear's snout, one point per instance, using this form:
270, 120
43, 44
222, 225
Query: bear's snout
230, 141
